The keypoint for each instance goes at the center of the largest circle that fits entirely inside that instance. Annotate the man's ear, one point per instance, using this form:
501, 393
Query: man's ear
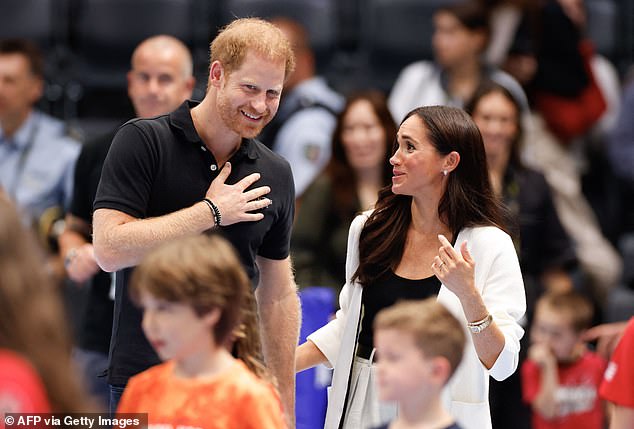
36, 90
216, 73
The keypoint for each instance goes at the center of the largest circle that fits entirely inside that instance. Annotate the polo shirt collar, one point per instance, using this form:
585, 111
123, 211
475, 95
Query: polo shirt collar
181, 118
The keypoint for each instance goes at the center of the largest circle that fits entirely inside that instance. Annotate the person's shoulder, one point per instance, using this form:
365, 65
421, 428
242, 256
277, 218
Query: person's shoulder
267, 154
418, 69
594, 359
485, 233
321, 185
13, 363
358, 222
531, 178
50, 124
99, 144
21, 385
246, 383
147, 124
316, 92
152, 374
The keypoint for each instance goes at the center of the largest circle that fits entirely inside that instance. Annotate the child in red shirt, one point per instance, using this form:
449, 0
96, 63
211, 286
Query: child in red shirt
618, 382
194, 293
561, 378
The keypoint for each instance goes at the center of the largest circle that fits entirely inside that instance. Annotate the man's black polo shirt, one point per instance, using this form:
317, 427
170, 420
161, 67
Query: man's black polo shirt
158, 166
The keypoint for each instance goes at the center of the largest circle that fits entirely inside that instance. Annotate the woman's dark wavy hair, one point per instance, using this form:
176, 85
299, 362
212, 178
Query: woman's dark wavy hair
339, 168
468, 199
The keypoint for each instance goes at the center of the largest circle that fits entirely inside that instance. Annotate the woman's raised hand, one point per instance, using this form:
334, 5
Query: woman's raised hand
455, 270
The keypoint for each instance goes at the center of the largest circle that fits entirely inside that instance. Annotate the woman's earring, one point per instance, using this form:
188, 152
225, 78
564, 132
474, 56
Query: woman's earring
444, 172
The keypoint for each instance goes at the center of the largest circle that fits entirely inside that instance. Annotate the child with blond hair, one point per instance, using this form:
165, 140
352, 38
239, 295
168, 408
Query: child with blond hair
419, 345
561, 377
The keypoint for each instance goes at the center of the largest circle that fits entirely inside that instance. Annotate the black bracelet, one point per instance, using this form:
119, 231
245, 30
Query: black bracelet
214, 211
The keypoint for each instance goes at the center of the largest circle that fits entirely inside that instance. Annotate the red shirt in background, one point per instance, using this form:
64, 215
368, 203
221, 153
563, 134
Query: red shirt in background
579, 403
618, 381
21, 389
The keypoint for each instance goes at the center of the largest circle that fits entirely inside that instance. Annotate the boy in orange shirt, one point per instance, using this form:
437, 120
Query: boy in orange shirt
561, 377
193, 293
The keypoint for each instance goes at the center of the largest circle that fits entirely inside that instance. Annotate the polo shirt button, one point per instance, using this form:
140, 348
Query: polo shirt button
213, 167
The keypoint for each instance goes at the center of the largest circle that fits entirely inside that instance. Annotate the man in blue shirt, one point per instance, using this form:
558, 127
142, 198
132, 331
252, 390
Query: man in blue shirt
36, 157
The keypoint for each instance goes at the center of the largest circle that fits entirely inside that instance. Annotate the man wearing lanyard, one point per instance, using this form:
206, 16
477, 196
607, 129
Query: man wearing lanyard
36, 157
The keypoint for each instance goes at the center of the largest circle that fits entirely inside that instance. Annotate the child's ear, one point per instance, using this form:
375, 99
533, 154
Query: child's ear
440, 370
211, 318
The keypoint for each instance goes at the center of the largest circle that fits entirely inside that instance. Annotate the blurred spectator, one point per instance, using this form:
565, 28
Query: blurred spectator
302, 129
36, 370
461, 34
621, 156
561, 378
574, 93
619, 379
359, 167
36, 157
160, 80
545, 250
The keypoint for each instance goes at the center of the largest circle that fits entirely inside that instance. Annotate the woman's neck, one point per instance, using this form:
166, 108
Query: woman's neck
425, 219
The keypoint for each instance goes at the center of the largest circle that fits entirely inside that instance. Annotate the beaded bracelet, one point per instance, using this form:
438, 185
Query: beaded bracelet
214, 211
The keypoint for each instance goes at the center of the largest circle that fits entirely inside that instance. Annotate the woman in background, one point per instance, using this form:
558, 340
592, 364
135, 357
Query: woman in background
358, 169
546, 253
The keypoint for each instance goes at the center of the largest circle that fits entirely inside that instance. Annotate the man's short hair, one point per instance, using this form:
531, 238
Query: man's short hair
29, 50
435, 330
574, 305
251, 34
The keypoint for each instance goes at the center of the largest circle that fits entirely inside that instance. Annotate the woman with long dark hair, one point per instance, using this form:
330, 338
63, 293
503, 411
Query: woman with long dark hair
358, 169
436, 231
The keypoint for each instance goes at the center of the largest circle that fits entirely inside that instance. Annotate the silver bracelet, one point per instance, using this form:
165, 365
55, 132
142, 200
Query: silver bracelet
480, 325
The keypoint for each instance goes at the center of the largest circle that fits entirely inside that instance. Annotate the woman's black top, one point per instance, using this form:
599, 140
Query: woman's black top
386, 291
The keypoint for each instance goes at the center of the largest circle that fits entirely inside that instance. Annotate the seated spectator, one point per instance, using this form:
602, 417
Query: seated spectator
561, 378
358, 169
36, 369
461, 32
302, 128
36, 156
